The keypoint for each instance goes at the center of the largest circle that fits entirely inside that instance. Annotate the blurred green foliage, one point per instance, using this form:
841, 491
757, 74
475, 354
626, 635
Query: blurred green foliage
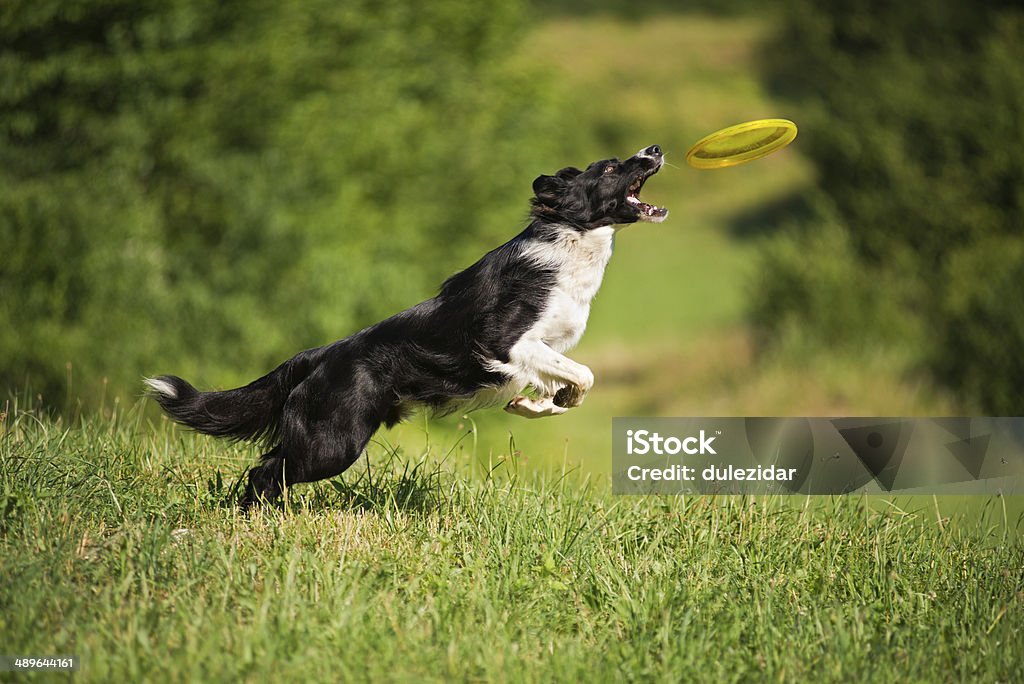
914, 117
629, 9
206, 188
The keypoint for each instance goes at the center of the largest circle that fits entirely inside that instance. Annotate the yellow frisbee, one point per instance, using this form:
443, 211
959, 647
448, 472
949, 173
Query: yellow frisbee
741, 143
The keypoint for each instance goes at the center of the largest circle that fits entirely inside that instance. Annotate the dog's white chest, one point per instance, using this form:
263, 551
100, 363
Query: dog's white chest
580, 261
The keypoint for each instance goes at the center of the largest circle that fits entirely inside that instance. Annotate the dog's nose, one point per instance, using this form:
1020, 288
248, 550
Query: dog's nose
652, 152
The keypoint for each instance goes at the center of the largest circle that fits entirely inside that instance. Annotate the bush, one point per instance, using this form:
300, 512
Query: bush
813, 292
982, 315
912, 115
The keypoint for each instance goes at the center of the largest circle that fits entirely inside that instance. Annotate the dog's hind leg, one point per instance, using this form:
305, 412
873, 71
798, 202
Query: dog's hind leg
265, 480
324, 431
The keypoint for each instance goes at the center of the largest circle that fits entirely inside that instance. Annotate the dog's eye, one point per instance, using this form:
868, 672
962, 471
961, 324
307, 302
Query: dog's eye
609, 168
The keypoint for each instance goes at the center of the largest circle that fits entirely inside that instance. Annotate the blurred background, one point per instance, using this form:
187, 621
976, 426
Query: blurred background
204, 189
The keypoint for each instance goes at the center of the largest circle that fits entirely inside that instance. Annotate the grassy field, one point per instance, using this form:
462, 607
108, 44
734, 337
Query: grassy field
118, 545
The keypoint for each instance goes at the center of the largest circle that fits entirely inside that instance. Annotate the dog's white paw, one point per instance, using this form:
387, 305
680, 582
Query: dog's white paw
534, 408
587, 382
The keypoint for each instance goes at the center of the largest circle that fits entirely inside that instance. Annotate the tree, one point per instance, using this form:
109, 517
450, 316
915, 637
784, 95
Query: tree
208, 187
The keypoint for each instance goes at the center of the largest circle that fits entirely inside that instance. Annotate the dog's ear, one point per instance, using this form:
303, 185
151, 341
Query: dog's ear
551, 189
568, 173
548, 189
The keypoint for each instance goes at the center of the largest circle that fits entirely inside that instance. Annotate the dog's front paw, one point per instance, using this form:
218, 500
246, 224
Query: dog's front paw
569, 396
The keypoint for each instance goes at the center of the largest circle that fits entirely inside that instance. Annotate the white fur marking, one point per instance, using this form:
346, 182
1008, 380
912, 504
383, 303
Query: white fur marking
579, 260
162, 387
536, 359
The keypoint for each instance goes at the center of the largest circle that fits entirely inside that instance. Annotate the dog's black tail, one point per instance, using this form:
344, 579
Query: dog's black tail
252, 412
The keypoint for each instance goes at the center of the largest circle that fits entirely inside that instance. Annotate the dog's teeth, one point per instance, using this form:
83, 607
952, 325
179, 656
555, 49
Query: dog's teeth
632, 200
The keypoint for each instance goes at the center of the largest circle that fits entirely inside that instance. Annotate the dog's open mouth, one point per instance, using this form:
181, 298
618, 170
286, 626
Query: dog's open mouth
648, 212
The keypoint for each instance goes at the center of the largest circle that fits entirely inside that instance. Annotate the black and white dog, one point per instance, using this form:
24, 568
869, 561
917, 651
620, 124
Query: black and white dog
496, 330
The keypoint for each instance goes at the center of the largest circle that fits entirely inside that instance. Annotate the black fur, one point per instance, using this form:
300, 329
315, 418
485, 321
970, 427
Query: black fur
317, 411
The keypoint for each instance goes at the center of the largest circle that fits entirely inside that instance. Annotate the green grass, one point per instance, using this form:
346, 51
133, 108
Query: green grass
118, 544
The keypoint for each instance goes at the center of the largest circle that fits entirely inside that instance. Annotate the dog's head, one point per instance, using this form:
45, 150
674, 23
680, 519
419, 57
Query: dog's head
607, 193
